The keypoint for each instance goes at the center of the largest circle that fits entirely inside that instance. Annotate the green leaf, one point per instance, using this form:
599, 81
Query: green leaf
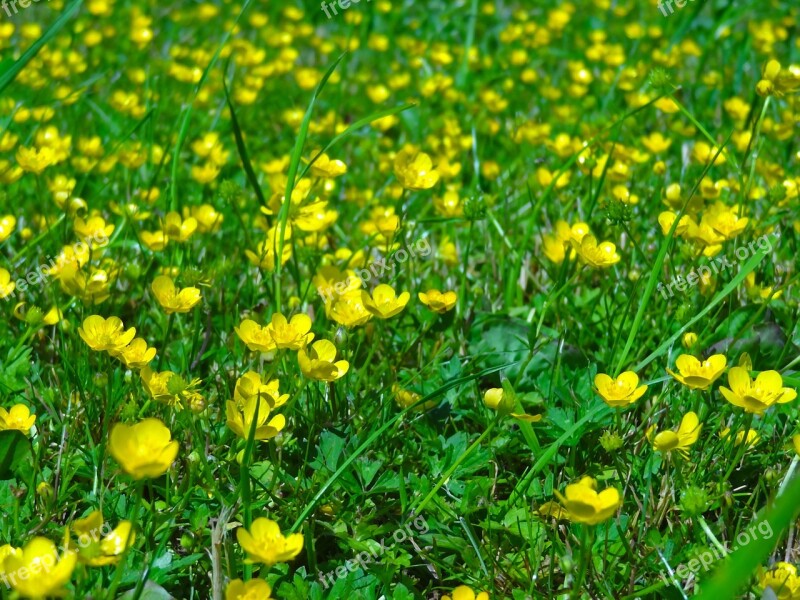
15, 454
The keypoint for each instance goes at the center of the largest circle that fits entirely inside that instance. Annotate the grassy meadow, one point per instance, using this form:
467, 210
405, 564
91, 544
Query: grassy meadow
457, 300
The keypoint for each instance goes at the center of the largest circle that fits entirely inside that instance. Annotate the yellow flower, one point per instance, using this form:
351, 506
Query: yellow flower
698, 375
777, 81
406, 398
18, 418
37, 316
105, 334
265, 544
255, 589
207, 217
47, 573
6, 285
756, 396
596, 255
319, 363
620, 392
437, 301
35, 160
464, 592
325, 167
240, 419
173, 300
94, 229
496, 399
384, 302
143, 450
585, 505
154, 240
752, 437
249, 386
257, 338
7, 225
656, 143
414, 170
157, 384
8, 550
293, 334
782, 579
689, 339
554, 510
97, 550
348, 309
687, 434
266, 251
136, 355
177, 229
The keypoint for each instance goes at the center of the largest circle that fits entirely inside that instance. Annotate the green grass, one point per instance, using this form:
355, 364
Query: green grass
284, 89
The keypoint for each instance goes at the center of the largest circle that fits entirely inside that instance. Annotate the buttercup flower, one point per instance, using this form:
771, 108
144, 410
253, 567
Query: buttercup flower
498, 400
143, 450
349, 309
464, 592
698, 375
249, 386
255, 589
6, 285
437, 301
782, 579
687, 434
105, 334
97, 550
48, 572
751, 439
7, 225
756, 396
384, 302
256, 337
596, 255
620, 392
293, 334
136, 355
414, 170
319, 363
585, 505
240, 419
265, 544
18, 418
173, 300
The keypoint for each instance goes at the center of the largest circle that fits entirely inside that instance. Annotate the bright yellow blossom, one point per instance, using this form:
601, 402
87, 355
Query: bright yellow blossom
265, 544
698, 375
585, 505
173, 300
318, 363
620, 392
143, 450
384, 302
756, 396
